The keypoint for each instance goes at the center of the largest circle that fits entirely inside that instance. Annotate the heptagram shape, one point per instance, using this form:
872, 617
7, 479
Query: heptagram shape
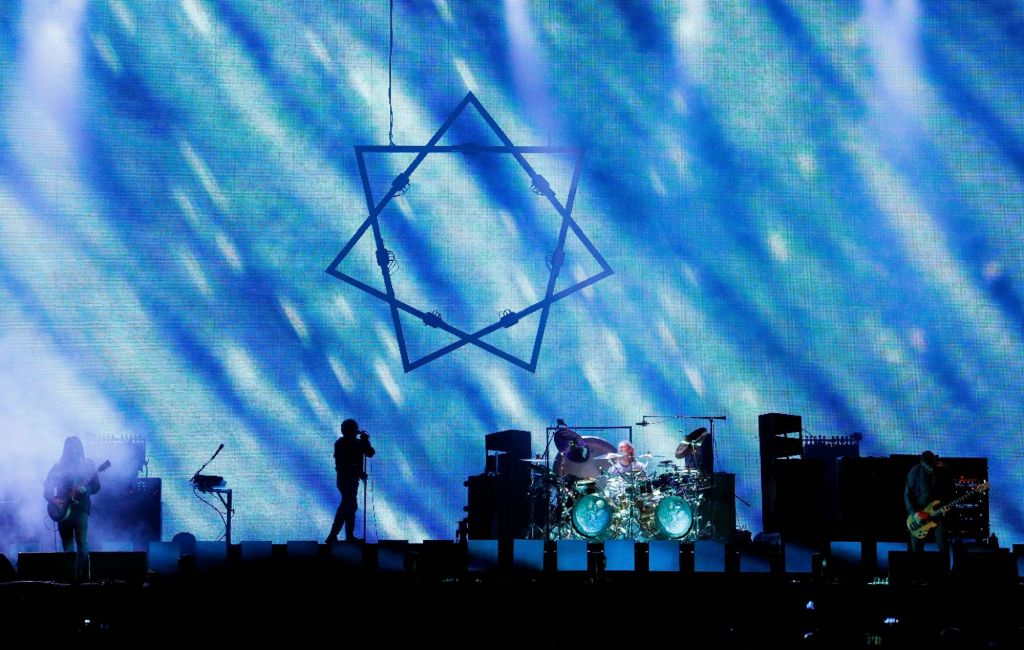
539, 185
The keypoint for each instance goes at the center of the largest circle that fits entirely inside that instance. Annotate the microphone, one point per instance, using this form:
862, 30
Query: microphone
643, 423
197, 478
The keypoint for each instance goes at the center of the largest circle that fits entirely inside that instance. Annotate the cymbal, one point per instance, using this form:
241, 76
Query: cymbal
534, 461
571, 444
696, 435
667, 462
610, 456
591, 467
545, 474
691, 442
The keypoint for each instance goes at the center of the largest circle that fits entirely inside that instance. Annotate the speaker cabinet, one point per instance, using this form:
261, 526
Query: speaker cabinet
718, 509
58, 567
130, 566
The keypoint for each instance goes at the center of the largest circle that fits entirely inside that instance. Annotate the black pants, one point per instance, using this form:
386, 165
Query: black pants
917, 545
346, 514
75, 531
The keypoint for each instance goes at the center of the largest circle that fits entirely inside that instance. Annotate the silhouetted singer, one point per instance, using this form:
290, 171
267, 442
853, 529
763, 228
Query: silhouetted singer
349, 451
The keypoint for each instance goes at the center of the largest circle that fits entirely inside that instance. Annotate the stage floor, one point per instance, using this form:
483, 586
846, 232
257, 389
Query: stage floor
435, 596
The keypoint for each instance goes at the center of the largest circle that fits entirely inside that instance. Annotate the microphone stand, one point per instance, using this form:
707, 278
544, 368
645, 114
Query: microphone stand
547, 491
366, 488
711, 432
701, 527
219, 490
666, 418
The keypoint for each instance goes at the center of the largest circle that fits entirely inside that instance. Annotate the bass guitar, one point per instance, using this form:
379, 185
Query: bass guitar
919, 526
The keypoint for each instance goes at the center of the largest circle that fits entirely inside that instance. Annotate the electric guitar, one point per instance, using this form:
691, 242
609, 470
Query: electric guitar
59, 508
919, 527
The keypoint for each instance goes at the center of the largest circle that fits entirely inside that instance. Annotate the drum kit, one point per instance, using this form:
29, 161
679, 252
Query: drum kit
592, 495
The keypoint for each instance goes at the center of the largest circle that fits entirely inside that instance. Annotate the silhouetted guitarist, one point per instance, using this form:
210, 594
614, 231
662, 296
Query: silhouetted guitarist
67, 490
926, 484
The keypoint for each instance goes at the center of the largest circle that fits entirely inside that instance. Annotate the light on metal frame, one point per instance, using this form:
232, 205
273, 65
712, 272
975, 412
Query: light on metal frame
555, 260
508, 318
433, 319
400, 185
539, 185
386, 260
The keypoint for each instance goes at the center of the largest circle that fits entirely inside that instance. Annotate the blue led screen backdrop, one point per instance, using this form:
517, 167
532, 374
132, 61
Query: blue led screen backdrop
809, 208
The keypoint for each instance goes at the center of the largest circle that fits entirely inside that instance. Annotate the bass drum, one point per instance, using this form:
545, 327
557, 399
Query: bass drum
670, 517
593, 516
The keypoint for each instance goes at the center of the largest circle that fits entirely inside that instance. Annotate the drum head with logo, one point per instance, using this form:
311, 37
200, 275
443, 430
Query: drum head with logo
592, 516
673, 518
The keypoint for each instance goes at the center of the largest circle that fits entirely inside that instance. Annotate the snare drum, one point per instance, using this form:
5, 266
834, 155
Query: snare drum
585, 486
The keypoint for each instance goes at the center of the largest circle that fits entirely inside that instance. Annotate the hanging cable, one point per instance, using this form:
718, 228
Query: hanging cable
391, 52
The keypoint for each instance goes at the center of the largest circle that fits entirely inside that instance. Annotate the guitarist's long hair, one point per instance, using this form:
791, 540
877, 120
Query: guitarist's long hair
74, 453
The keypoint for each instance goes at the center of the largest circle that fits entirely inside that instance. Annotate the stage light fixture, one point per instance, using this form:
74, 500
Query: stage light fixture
386, 259
539, 185
400, 185
555, 260
508, 318
433, 319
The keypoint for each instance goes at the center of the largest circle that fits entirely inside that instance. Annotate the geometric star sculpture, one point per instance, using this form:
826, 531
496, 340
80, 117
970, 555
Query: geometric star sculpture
383, 256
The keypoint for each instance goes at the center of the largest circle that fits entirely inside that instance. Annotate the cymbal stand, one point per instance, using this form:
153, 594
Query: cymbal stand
700, 529
549, 507
708, 530
711, 432
536, 531
632, 494
629, 482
